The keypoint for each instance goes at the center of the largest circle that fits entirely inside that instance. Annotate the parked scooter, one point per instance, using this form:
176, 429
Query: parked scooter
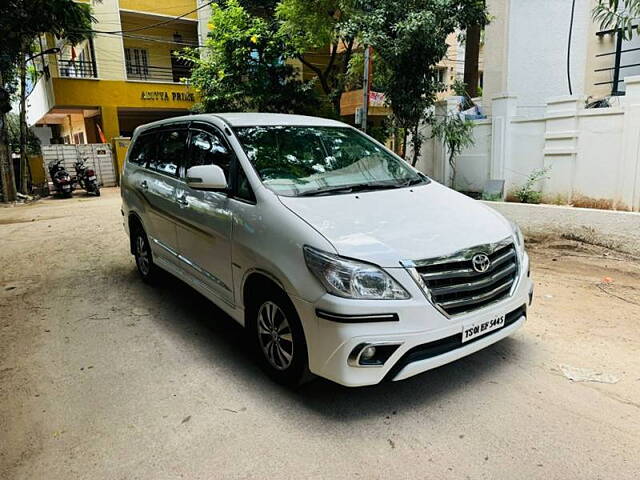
61, 179
86, 178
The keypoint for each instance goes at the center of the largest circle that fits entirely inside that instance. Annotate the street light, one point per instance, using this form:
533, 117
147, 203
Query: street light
48, 51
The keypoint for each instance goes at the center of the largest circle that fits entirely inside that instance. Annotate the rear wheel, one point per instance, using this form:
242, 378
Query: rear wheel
277, 336
144, 259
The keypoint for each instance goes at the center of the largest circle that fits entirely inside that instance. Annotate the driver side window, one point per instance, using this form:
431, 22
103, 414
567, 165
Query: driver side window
208, 149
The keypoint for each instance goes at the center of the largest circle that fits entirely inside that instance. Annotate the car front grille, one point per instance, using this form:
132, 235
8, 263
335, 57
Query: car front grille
455, 286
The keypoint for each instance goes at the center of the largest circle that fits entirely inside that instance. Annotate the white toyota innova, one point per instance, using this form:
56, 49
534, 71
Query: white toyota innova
338, 257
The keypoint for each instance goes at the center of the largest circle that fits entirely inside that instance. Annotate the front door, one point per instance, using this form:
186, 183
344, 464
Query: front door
204, 232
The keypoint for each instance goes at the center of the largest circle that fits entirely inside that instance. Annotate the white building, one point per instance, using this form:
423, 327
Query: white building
537, 121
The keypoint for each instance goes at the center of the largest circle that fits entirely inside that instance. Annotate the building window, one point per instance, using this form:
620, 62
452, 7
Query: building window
78, 138
439, 74
137, 63
180, 68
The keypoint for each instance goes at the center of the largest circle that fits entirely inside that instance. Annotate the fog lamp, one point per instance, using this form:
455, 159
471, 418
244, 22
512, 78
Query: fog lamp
368, 353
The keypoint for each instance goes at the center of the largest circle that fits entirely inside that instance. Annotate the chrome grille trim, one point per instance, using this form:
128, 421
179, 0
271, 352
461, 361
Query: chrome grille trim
477, 298
468, 286
455, 288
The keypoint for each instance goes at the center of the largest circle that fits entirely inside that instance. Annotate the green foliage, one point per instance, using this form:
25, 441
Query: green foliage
526, 192
315, 24
22, 21
456, 133
491, 197
355, 73
243, 66
410, 38
13, 130
322, 27
619, 15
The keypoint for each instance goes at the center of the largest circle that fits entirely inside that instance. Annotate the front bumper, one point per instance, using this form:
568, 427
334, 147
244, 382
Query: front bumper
416, 326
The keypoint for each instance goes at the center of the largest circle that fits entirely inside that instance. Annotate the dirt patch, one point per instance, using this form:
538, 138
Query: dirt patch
103, 376
12, 220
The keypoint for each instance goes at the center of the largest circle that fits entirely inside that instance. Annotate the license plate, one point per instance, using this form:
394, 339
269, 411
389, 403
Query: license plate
66, 187
93, 177
478, 328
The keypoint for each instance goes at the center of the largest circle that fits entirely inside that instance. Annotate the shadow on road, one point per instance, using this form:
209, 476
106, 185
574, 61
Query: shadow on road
222, 339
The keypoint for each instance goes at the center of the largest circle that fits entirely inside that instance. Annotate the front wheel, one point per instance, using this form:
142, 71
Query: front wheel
278, 338
97, 191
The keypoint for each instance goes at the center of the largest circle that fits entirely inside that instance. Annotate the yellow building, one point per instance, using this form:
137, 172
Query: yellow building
126, 75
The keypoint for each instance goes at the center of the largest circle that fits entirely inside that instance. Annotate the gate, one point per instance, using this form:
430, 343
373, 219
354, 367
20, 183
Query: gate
98, 156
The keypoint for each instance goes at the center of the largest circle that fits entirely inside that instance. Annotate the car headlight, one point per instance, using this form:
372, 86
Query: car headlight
517, 234
351, 279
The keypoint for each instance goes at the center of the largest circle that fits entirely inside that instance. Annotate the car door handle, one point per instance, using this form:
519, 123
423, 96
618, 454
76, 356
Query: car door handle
144, 185
182, 201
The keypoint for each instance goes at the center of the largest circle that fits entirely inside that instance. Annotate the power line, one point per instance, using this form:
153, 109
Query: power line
154, 25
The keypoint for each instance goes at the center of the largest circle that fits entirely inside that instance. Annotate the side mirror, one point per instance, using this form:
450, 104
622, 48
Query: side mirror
206, 177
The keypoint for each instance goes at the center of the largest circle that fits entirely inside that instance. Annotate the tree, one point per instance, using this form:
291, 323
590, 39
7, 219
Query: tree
618, 15
33, 146
314, 26
244, 66
410, 38
22, 22
471, 59
456, 133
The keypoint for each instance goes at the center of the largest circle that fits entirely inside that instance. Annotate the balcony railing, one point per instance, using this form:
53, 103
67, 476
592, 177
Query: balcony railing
76, 68
158, 74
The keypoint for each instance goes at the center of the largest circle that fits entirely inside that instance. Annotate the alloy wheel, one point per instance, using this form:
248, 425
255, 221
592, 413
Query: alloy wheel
275, 336
142, 256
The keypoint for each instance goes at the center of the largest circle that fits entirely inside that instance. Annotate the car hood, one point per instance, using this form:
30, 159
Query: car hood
387, 226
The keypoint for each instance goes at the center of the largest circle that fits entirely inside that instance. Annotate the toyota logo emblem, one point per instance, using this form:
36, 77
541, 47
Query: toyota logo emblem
480, 262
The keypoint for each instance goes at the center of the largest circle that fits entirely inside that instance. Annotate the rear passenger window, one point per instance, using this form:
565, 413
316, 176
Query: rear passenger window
172, 146
209, 149
142, 150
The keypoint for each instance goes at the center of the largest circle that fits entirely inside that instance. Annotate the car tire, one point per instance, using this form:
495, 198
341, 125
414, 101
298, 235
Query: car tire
277, 338
143, 256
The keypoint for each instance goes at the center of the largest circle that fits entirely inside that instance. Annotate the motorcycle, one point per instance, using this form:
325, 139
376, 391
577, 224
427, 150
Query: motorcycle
86, 177
62, 182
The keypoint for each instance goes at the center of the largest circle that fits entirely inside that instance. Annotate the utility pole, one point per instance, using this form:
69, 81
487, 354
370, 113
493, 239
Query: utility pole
24, 160
366, 87
25, 169
6, 170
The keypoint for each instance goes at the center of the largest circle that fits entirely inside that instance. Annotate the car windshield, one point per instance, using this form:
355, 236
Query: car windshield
300, 161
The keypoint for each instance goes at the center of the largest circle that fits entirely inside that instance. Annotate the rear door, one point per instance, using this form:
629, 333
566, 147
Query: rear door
204, 232
159, 187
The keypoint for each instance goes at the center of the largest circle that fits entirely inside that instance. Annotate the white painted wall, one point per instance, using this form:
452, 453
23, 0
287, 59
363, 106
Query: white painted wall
473, 165
527, 149
204, 14
43, 133
593, 155
40, 101
526, 46
537, 51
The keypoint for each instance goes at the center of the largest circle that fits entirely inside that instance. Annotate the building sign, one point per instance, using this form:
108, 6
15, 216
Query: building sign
376, 99
163, 96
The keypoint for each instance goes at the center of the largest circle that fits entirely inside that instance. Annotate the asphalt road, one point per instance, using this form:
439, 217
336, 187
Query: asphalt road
104, 377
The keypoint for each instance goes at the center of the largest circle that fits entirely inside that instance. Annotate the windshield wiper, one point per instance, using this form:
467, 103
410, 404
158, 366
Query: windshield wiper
413, 181
356, 187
